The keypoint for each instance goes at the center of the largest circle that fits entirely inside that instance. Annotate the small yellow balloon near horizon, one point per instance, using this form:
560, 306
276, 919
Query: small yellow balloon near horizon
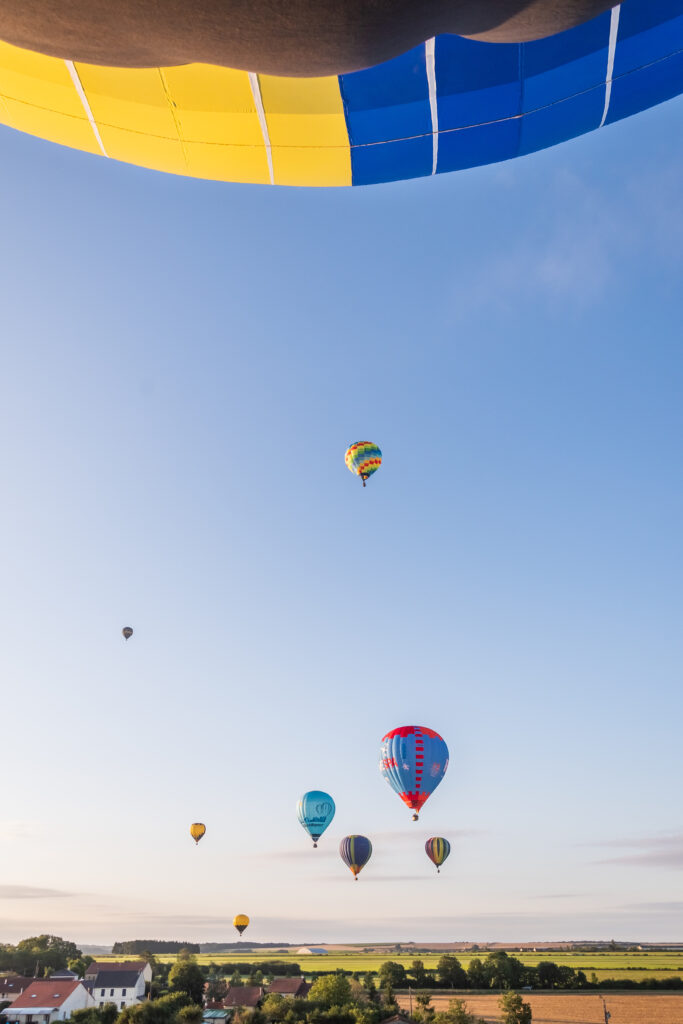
241, 922
197, 830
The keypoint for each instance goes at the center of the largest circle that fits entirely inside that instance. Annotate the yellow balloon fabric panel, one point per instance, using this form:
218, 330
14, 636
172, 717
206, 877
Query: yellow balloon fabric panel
197, 120
37, 96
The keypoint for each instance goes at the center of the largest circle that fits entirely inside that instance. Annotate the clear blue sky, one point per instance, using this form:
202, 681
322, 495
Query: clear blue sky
183, 366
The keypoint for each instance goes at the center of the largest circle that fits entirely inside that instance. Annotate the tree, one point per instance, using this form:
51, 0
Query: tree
566, 977
450, 971
80, 965
391, 973
216, 990
476, 974
330, 990
235, 979
503, 971
359, 995
156, 1011
185, 953
456, 1014
275, 1007
106, 1014
418, 972
44, 951
425, 1012
369, 986
188, 977
515, 1010
547, 973
388, 998
189, 1015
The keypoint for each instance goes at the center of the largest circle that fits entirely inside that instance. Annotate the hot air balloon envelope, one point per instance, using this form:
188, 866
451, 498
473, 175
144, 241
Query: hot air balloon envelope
315, 811
241, 922
197, 830
127, 632
437, 850
363, 458
413, 759
446, 104
355, 851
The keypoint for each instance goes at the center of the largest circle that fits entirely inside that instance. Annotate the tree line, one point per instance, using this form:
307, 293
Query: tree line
499, 970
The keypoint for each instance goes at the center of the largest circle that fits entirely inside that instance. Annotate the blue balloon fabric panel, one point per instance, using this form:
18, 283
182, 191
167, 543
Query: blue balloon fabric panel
455, 103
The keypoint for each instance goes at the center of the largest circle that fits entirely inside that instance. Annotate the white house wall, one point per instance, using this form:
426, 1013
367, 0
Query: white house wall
115, 995
80, 999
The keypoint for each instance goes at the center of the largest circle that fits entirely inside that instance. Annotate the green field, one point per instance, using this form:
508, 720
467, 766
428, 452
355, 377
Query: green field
635, 965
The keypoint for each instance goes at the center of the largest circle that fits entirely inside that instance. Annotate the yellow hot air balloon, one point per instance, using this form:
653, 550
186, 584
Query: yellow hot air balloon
241, 922
197, 831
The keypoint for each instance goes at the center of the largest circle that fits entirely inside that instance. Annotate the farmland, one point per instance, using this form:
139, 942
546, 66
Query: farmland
635, 965
578, 1007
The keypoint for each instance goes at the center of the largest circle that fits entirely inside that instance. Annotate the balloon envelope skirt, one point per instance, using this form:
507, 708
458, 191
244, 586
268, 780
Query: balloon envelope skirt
448, 104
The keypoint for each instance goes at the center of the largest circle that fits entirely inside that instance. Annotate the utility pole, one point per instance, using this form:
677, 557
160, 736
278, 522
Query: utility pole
608, 1015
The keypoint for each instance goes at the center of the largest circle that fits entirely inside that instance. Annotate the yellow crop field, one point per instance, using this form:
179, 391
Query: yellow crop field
634, 965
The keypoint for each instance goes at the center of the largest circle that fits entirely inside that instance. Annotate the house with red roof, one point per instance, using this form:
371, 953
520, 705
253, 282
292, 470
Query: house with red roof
44, 1002
295, 988
245, 996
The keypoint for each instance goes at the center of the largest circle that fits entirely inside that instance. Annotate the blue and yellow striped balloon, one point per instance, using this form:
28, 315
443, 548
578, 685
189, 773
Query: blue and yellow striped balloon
355, 851
363, 458
437, 849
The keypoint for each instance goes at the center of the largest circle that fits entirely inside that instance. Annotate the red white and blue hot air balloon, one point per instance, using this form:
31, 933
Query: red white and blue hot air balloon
413, 759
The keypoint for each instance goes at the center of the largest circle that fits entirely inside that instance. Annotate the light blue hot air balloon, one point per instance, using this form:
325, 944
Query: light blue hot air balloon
315, 811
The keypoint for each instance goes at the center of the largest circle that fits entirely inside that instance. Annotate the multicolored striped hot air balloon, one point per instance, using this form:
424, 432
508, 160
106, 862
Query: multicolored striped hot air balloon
355, 851
413, 760
197, 830
363, 458
437, 849
315, 811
